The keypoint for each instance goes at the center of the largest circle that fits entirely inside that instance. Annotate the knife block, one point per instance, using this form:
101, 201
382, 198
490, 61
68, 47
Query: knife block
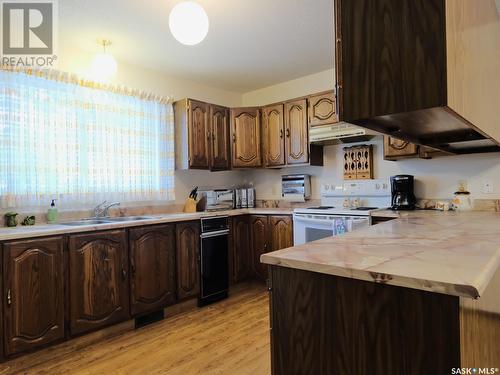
190, 205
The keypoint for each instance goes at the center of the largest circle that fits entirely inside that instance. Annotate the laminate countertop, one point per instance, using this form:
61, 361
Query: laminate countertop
455, 253
41, 230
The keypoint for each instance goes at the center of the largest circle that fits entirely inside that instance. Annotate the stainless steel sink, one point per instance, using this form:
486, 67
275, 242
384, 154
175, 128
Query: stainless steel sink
78, 223
128, 218
106, 220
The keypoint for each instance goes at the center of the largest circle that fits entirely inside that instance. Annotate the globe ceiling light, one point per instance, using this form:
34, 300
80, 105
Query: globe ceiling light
104, 66
188, 22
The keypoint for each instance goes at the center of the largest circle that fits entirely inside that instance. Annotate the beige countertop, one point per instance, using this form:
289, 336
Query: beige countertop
20, 232
445, 252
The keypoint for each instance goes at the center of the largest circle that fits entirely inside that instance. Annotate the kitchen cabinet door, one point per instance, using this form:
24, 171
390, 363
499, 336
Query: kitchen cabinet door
99, 283
188, 250
240, 249
296, 132
274, 135
246, 137
322, 109
259, 225
281, 232
396, 149
219, 144
198, 134
33, 277
152, 268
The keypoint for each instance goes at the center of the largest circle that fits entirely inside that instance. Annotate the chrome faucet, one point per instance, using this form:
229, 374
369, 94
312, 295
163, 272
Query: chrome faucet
101, 210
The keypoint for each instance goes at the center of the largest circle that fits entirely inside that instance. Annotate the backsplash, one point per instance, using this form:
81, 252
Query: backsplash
437, 178
491, 205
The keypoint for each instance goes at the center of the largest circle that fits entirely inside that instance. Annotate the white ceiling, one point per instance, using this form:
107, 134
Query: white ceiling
250, 44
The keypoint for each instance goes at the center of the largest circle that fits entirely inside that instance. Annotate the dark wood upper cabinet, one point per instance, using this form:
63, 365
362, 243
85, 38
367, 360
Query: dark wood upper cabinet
198, 134
296, 132
396, 149
322, 109
274, 135
220, 142
240, 249
281, 229
188, 250
99, 280
391, 55
391, 65
246, 137
33, 278
152, 268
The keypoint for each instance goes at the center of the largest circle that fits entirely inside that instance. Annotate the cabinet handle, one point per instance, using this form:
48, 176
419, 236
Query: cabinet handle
265, 247
9, 298
124, 274
208, 136
288, 133
234, 138
281, 133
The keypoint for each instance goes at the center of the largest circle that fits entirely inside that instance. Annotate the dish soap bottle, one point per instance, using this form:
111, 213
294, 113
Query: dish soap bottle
52, 213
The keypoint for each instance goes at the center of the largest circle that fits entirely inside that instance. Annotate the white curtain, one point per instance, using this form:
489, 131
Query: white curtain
81, 144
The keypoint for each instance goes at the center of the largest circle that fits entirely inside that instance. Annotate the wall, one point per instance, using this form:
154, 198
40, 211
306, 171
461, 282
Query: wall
310, 84
435, 179
76, 61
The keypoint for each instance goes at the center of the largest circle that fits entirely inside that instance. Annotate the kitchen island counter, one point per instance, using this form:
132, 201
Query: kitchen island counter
446, 252
419, 294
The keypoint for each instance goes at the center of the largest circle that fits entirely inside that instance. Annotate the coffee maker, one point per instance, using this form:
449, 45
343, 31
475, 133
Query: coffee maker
402, 197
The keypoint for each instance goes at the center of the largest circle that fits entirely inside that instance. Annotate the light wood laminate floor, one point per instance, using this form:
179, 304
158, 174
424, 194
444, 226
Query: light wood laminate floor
230, 337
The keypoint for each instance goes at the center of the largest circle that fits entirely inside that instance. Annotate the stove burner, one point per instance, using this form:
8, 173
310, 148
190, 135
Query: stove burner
364, 208
320, 208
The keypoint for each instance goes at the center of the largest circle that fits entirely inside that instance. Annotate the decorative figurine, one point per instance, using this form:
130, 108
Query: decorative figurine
10, 219
28, 220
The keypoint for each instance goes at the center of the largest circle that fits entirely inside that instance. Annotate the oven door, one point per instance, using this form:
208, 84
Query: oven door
307, 228
214, 263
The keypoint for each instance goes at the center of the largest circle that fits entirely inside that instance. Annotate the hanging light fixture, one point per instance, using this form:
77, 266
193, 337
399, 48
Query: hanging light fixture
188, 22
104, 66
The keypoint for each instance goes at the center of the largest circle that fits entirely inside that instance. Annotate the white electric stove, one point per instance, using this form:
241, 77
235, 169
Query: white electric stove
345, 207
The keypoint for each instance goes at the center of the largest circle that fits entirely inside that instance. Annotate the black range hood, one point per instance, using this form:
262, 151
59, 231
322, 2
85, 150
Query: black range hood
392, 74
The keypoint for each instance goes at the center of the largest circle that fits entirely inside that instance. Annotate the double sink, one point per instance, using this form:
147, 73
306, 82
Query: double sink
106, 220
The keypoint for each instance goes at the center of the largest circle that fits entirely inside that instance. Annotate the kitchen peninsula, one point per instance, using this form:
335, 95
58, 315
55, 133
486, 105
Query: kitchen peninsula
414, 295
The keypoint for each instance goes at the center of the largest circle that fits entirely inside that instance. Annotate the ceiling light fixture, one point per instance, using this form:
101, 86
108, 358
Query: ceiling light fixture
104, 66
188, 22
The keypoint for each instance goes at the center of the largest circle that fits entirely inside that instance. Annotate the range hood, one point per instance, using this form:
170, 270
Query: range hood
342, 132
393, 63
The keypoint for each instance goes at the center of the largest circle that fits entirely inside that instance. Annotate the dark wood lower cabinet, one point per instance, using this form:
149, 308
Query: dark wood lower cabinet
99, 282
281, 232
240, 255
188, 250
268, 233
33, 279
324, 325
259, 225
152, 268
57, 287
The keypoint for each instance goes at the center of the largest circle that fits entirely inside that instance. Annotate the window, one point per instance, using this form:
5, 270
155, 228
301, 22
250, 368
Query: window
61, 138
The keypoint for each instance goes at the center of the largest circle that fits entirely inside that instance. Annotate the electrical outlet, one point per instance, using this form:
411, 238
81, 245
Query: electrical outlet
488, 187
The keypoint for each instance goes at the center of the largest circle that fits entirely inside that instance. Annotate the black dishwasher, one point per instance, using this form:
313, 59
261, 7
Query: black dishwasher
214, 278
